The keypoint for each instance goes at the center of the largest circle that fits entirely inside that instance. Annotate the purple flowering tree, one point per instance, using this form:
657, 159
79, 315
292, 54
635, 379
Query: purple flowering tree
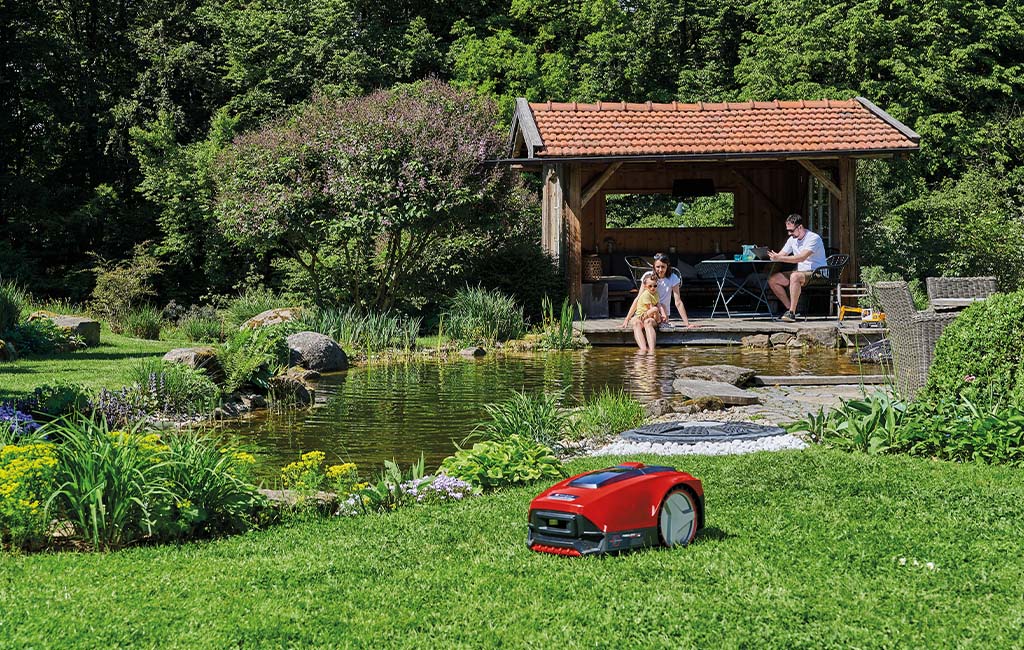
363, 192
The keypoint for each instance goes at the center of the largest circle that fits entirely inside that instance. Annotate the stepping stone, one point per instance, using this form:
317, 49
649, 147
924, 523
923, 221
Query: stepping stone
729, 394
706, 431
729, 374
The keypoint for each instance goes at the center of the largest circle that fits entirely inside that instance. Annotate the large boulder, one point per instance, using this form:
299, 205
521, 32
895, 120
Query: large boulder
86, 328
730, 395
723, 372
317, 352
272, 317
203, 357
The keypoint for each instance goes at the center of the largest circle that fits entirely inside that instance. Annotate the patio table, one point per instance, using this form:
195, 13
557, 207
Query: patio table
729, 287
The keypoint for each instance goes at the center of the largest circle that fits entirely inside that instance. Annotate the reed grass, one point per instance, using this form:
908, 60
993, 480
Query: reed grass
477, 315
370, 333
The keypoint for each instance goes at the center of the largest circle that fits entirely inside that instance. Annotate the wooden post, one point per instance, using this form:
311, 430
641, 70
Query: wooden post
551, 212
573, 213
847, 216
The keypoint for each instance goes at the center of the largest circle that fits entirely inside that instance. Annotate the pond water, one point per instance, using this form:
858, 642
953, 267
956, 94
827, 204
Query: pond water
395, 411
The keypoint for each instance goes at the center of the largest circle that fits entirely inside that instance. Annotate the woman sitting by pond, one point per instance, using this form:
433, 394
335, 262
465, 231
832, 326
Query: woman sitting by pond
645, 313
668, 287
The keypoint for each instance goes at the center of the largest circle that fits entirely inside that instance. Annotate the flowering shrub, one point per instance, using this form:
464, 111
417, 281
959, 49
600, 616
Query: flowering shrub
172, 388
15, 423
403, 168
27, 479
440, 488
118, 408
306, 474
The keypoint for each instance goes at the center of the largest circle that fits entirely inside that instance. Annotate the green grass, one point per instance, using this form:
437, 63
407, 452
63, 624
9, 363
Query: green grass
801, 550
107, 365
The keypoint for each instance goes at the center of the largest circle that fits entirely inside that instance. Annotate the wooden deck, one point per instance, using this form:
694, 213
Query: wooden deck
728, 331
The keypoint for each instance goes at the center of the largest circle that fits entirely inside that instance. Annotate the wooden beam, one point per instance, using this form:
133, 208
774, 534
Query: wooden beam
752, 187
594, 186
573, 232
552, 212
822, 178
847, 217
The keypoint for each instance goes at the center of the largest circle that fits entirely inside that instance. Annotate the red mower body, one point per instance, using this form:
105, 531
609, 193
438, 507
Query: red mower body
628, 506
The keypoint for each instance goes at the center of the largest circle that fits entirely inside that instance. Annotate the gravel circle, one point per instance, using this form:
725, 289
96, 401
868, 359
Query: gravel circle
770, 443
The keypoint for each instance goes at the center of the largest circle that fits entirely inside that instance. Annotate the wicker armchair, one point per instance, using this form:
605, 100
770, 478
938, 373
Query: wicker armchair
913, 335
952, 293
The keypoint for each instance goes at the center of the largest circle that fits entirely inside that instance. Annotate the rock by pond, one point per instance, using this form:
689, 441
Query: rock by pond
202, 357
722, 372
729, 394
316, 352
272, 317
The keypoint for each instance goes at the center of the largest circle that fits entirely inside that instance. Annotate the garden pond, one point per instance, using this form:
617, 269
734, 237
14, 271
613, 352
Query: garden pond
398, 410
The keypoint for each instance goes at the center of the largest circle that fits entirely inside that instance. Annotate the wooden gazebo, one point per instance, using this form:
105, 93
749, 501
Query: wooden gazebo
774, 158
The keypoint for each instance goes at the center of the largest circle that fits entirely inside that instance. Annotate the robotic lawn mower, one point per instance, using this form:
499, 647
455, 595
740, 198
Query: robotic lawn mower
628, 506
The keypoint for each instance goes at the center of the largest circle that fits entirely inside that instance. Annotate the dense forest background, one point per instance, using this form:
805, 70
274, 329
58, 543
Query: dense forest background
113, 110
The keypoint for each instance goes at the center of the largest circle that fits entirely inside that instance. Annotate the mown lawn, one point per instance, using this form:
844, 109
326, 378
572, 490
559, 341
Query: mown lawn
104, 366
803, 550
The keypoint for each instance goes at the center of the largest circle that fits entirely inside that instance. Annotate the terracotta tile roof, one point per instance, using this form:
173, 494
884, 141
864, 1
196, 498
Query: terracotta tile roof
622, 129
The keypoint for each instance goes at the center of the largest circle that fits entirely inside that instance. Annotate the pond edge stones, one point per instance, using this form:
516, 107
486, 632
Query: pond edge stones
734, 375
728, 393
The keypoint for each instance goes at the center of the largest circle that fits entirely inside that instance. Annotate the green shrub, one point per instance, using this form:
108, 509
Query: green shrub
534, 417
980, 355
201, 329
61, 398
27, 479
12, 301
522, 270
42, 336
211, 487
121, 288
172, 388
476, 315
143, 323
370, 333
962, 432
511, 461
252, 357
251, 302
112, 486
608, 413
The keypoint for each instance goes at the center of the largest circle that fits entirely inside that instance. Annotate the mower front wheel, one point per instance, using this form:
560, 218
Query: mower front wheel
677, 518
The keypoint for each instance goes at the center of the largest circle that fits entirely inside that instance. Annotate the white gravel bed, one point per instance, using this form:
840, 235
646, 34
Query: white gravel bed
768, 443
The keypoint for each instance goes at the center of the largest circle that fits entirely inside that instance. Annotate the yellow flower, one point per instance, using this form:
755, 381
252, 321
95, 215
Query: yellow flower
314, 457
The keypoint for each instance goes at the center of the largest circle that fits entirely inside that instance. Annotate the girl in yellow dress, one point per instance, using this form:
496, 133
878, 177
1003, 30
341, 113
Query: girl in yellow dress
644, 314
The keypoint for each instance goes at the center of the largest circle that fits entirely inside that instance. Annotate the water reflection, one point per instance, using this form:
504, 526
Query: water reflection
370, 414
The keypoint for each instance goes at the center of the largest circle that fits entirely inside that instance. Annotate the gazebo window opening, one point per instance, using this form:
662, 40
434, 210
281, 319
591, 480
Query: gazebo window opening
663, 210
